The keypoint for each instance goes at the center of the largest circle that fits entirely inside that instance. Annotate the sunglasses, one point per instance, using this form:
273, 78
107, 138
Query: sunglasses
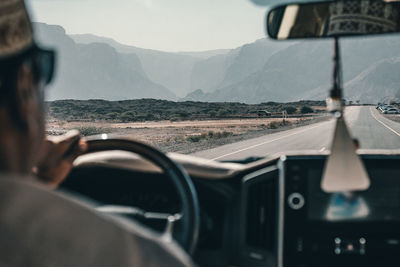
43, 61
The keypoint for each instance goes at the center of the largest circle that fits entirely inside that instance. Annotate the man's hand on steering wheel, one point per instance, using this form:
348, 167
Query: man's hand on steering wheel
56, 156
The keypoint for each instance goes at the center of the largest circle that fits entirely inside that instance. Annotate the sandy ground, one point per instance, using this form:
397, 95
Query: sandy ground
185, 136
169, 124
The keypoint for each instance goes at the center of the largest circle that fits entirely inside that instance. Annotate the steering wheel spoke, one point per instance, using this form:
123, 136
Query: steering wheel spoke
134, 211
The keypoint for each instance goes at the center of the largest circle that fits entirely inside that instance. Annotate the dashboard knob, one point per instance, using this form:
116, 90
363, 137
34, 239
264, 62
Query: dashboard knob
296, 201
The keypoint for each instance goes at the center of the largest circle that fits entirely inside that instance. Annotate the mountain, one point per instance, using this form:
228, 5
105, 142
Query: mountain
250, 58
280, 77
206, 54
303, 71
197, 95
378, 83
262, 71
97, 70
185, 72
208, 74
173, 70
223, 70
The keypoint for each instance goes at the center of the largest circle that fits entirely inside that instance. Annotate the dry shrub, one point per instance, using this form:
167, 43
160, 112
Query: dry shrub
273, 125
193, 138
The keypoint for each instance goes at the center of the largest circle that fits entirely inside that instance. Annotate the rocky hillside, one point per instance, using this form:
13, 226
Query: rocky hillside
97, 70
303, 71
266, 70
173, 70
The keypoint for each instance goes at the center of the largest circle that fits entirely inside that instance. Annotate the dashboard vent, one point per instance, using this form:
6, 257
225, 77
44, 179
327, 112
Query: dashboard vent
261, 214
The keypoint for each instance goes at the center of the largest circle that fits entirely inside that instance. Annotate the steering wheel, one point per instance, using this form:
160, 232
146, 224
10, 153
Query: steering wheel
183, 226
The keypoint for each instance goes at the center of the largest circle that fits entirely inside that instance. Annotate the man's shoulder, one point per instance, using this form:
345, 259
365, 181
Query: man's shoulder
52, 229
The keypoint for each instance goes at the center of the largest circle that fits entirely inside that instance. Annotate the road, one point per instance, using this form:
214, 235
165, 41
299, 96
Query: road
366, 124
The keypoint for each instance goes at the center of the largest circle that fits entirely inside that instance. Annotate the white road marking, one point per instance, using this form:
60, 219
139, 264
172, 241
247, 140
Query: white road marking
322, 149
267, 142
384, 124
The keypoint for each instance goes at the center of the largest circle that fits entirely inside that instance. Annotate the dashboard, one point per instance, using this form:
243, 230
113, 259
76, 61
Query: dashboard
338, 229
269, 212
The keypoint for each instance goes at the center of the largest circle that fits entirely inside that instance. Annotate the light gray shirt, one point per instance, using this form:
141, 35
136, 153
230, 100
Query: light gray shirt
39, 227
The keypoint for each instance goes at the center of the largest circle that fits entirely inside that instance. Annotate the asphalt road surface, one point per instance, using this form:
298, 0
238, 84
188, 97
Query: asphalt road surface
366, 124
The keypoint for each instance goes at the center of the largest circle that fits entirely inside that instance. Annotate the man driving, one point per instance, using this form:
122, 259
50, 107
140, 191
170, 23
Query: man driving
39, 227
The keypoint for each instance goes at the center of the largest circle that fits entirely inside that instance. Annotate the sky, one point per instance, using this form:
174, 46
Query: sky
167, 25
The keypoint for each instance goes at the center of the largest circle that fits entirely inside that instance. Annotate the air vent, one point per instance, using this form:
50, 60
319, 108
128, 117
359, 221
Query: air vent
261, 214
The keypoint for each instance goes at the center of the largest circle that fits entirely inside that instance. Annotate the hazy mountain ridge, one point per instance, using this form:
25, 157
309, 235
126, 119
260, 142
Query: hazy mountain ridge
205, 54
185, 72
258, 72
96, 70
223, 70
303, 71
382, 77
208, 74
280, 78
251, 58
173, 70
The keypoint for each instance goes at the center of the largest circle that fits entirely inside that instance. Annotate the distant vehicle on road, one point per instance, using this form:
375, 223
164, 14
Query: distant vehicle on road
385, 107
264, 113
391, 111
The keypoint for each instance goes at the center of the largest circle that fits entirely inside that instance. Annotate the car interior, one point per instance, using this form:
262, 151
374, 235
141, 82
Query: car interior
257, 213
308, 208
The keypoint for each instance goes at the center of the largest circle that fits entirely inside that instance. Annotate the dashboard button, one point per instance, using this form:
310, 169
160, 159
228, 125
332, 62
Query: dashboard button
296, 201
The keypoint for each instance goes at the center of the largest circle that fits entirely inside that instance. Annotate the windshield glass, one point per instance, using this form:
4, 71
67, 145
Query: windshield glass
201, 78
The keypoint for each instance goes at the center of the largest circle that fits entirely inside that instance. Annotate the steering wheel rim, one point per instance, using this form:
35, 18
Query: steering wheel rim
187, 193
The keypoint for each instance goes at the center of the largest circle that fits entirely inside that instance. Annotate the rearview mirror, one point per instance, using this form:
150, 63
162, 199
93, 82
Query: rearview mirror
333, 19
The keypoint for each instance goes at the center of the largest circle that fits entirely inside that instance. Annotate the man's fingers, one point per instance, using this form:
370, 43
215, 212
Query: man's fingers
56, 148
70, 136
76, 151
66, 144
58, 156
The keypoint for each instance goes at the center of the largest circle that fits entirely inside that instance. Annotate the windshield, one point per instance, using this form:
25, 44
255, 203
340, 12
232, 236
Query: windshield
201, 78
